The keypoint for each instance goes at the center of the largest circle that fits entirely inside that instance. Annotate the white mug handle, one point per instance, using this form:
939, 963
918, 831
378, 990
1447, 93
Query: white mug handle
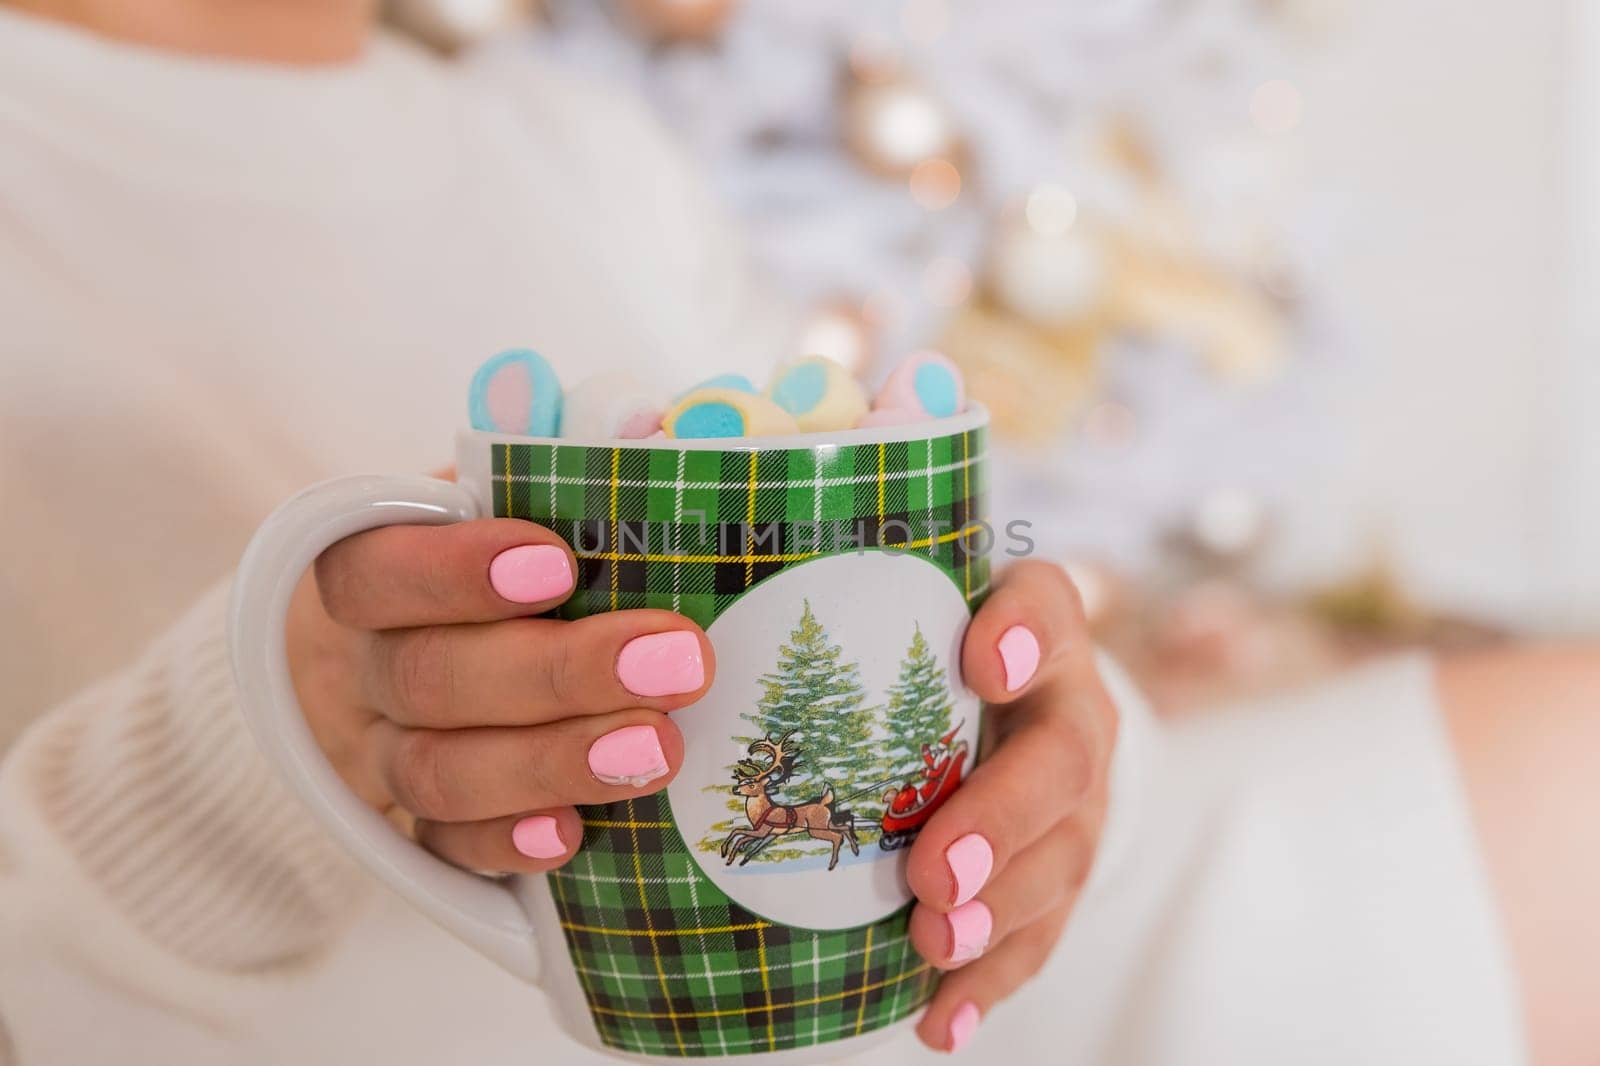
480, 910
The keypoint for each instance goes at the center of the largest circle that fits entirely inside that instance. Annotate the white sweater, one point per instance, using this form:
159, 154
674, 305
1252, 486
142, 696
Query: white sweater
219, 283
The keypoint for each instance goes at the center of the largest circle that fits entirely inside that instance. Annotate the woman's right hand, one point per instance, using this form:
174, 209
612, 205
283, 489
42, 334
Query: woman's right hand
443, 703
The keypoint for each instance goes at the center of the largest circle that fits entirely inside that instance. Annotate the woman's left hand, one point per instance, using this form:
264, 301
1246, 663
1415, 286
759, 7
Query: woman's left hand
996, 871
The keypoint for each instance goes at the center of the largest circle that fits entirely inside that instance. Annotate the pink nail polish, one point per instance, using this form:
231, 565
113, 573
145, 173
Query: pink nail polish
631, 755
661, 664
1019, 654
963, 1023
530, 573
971, 861
537, 837
970, 926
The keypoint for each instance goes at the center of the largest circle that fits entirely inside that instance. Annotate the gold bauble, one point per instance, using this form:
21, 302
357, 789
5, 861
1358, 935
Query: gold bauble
681, 20
1230, 323
1034, 382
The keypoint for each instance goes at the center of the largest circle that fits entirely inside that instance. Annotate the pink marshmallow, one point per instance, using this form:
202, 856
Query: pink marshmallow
926, 382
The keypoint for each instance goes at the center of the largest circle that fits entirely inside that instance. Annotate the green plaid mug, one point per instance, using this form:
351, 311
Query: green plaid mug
757, 905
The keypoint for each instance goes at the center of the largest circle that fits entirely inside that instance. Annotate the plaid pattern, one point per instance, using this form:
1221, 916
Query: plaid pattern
669, 964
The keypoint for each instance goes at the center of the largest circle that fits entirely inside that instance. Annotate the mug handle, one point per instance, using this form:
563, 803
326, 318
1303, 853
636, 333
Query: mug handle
480, 910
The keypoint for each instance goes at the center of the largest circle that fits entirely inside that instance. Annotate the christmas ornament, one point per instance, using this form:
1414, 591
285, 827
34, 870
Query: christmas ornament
1228, 524
1232, 325
451, 25
1034, 382
894, 126
1046, 265
681, 20
935, 184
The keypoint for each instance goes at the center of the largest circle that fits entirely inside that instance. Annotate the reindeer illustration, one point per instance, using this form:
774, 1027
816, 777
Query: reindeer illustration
769, 819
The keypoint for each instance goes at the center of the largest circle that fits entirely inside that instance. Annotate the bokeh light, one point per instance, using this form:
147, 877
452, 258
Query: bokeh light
1276, 107
935, 184
1051, 210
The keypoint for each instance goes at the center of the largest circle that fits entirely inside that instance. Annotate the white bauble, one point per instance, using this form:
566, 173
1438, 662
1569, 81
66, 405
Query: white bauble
1047, 275
894, 125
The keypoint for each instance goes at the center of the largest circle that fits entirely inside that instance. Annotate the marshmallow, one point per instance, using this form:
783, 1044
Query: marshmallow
726, 413
516, 392
820, 393
607, 407
927, 383
722, 381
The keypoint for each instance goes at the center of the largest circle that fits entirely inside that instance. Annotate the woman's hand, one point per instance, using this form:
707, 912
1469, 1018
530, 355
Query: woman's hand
997, 869
445, 706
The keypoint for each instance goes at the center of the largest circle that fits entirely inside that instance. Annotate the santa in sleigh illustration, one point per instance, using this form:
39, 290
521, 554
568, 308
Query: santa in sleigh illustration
907, 808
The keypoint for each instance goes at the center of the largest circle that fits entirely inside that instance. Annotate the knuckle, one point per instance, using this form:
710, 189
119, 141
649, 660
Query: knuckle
559, 667
436, 577
335, 580
1077, 850
421, 673
1073, 764
418, 776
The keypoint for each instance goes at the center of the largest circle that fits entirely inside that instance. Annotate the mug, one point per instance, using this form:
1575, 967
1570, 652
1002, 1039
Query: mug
757, 905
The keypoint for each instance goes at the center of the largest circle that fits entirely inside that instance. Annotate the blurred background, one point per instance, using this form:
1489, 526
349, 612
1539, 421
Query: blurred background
1280, 305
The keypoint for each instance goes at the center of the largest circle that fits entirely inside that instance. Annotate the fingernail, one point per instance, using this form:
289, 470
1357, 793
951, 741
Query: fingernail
538, 837
661, 664
970, 926
1019, 654
971, 860
631, 755
963, 1023
529, 573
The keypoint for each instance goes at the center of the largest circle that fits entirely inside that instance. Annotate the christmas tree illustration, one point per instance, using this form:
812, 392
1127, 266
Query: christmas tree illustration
815, 697
919, 707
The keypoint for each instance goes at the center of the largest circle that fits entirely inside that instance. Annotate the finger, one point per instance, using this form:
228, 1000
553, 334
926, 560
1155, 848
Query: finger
1047, 767
966, 996
1035, 882
525, 671
438, 575
468, 775
1030, 625
528, 843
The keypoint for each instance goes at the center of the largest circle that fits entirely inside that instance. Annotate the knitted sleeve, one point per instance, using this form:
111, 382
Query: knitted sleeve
142, 832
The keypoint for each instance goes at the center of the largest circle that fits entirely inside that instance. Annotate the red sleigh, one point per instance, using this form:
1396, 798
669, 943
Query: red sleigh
908, 808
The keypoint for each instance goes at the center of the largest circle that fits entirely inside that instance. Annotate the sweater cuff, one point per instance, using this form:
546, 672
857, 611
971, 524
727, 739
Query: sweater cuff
148, 798
1138, 738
